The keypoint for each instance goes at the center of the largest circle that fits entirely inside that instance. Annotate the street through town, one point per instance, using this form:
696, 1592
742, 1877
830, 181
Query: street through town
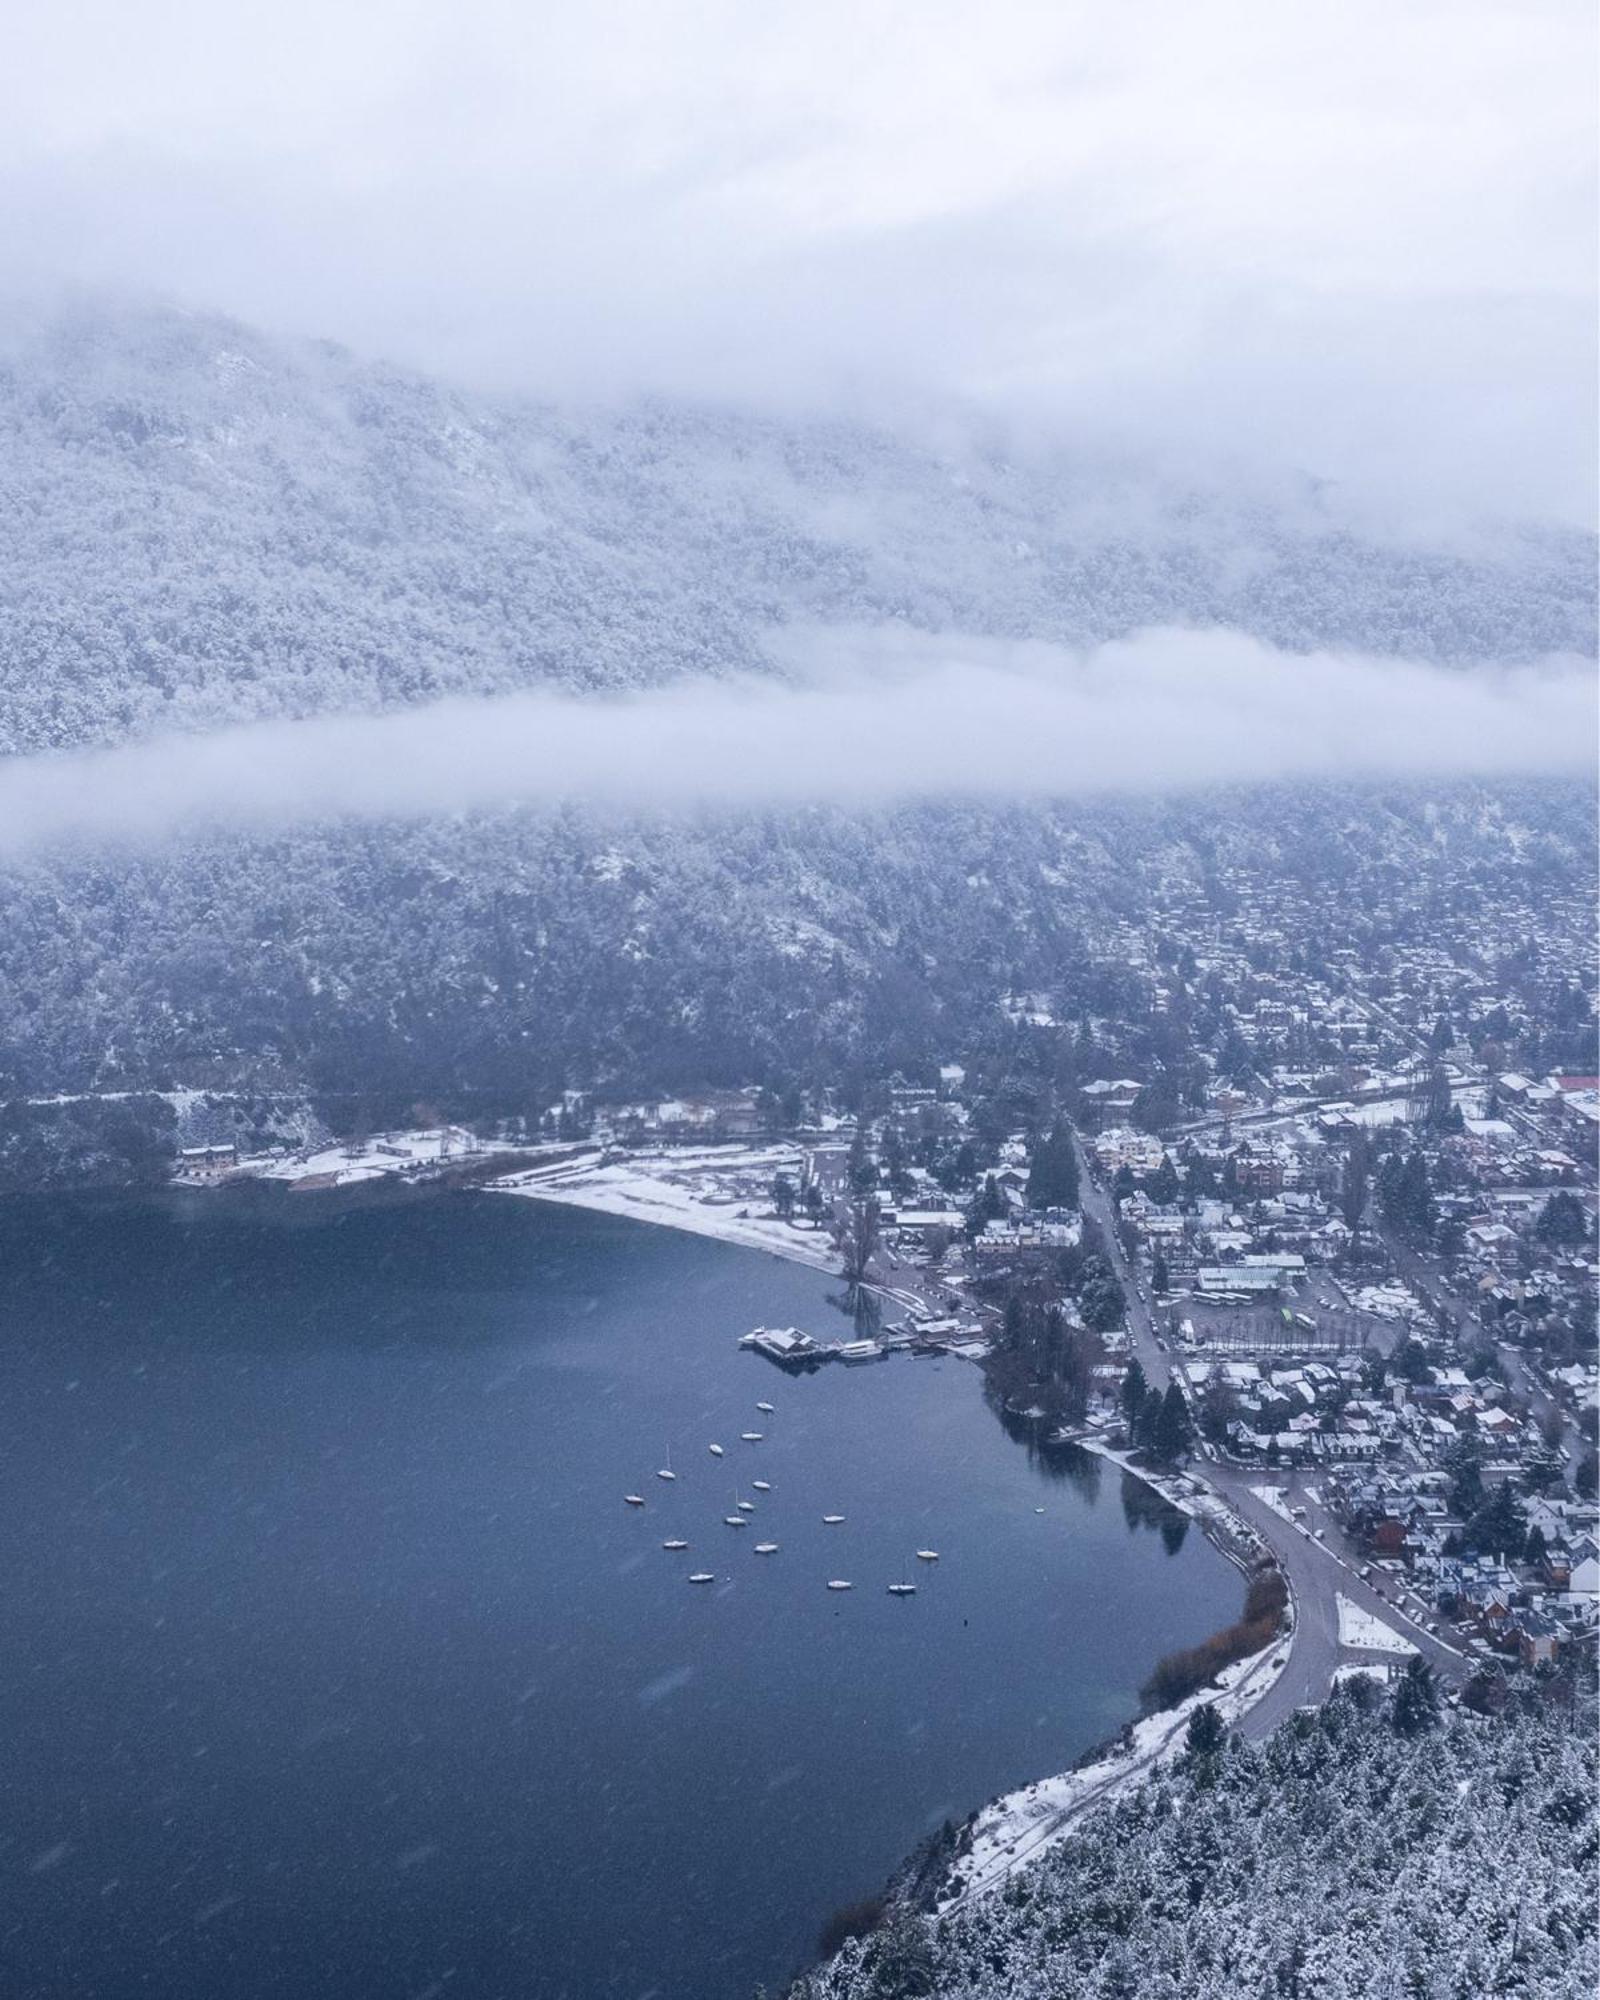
1320, 1569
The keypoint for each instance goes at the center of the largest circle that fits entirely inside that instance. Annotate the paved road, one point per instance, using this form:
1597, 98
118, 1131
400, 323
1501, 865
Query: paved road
1096, 1205
1320, 1571
1316, 1569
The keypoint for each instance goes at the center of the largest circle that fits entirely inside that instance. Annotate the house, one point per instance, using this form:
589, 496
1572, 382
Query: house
1538, 1639
1583, 1578
1113, 1100
1499, 1426
1217, 1280
1001, 1239
919, 1222
1260, 1173
1121, 1146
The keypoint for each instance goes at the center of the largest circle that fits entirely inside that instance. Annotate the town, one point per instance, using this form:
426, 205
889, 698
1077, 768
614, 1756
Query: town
1319, 1223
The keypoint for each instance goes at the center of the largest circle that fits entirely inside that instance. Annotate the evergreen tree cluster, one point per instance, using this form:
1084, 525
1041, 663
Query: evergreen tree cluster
1158, 1421
1405, 1192
1053, 1171
1364, 1852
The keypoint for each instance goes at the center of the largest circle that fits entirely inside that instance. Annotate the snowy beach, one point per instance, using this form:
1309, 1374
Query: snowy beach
722, 1192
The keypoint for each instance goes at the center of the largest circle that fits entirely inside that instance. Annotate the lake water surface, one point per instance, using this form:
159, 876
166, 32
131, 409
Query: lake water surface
336, 1666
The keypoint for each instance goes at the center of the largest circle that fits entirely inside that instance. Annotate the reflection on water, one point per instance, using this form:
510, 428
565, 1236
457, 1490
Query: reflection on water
338, 1665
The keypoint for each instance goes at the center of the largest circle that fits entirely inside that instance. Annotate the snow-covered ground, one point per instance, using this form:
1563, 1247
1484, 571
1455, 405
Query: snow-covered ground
1190, 1496
1368, 1634
373, 1159
1276, 1498
718, 1191
1362, 1670
1020, 1827
1393, 1301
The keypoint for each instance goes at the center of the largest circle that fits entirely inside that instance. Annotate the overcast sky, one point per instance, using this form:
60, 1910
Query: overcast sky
1355, 236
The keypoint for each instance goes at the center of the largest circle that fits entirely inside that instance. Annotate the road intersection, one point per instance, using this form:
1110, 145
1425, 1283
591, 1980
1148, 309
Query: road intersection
1320, 1564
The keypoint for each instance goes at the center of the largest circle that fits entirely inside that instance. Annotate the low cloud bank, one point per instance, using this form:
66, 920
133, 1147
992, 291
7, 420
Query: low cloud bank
865, 718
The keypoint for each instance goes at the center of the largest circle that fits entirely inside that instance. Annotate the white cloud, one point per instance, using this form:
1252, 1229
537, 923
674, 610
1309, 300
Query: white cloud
874, 716
1359, 238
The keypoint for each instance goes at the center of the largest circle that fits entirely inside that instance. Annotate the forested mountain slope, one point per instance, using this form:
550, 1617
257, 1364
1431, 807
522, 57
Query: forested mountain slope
1340, 1861
513, 954
200, 524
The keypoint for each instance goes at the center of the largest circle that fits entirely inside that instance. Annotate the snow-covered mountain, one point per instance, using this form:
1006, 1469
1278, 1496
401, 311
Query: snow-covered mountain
200, 524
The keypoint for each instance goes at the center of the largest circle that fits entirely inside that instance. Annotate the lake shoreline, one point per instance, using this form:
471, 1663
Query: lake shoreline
711, 1222
1019, 1827
1150, 1739
630, 1191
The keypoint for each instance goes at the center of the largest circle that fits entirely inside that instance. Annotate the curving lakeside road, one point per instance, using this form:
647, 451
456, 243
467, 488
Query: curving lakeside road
1320, 1571
1320, 1567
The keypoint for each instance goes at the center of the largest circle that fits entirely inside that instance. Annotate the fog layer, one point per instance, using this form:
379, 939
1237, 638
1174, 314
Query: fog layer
872, 718
1356, 240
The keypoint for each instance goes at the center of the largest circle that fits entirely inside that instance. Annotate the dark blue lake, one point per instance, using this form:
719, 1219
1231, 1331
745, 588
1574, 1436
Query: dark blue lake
335, 1664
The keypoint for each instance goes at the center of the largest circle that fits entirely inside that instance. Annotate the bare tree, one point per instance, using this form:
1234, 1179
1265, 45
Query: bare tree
855, 1236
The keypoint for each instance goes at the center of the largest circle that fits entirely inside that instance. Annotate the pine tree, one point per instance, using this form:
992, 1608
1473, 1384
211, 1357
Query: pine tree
1053, 1171
1162, 1186
1562, 1222
1206, 1733
1355, 1181
1416, 1699
1174, 1432
988, 1205
1134, 1391
1498, 1527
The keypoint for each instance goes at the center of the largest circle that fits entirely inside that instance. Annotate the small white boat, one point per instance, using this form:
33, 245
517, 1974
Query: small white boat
839, 1583
750, 1437
634, 1499
666, 1472
715, 1450
927, 1555
674, 1545
1038, 1510
702, 1576
736, 1521
761, 1485
831, 1520
765, 1409
902, 1590
745, 1506
766, 1548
